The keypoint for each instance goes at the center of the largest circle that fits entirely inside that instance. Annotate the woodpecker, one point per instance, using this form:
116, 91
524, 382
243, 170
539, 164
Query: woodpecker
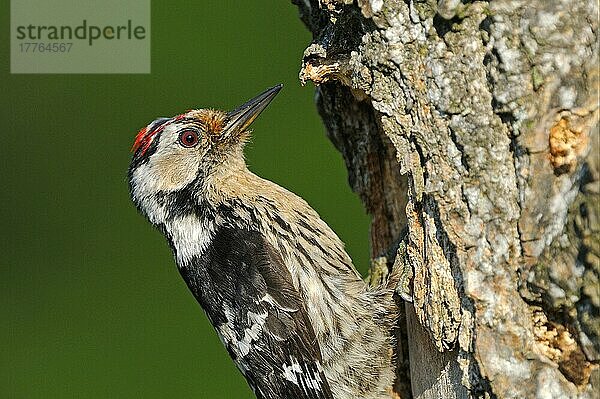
272, 277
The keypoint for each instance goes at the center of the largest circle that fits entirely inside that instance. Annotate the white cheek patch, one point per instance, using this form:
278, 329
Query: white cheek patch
167, 173
173, 168
143, 190
169, 169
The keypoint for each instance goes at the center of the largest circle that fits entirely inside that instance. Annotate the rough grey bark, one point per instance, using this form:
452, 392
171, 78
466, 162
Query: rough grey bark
473, 126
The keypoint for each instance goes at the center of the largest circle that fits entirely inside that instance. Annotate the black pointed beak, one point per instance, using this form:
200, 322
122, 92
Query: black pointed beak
240, 118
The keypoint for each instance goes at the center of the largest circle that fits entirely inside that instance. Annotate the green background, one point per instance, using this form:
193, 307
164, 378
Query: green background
92, 303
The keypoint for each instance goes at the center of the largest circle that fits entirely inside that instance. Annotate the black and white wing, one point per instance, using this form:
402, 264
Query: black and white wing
248, 294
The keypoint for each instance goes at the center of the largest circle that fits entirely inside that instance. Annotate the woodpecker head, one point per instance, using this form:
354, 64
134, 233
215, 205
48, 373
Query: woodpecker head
183, 152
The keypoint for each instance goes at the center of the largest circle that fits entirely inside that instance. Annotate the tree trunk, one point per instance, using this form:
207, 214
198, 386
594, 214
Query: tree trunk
473, 128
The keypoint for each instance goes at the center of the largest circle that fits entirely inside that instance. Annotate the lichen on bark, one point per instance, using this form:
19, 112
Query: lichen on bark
474, 126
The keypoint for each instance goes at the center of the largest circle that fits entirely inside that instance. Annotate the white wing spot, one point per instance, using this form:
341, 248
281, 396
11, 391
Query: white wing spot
294, 372
289, 372
256, 320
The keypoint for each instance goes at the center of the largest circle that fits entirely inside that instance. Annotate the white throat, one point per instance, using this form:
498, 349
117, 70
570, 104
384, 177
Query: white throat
190, 236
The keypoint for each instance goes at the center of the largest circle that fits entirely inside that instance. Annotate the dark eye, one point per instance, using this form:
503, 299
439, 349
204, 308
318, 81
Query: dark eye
188, 138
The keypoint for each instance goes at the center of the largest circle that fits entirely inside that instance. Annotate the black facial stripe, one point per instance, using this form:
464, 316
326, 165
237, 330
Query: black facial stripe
158, 123
187, 123
188, 126
139, 158
156, 128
